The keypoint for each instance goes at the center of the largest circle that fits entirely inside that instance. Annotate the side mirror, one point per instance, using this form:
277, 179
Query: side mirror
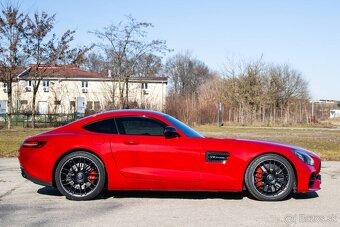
170, 132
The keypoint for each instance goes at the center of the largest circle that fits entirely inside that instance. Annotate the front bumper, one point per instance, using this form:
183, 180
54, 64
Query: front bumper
314, 182
308, 177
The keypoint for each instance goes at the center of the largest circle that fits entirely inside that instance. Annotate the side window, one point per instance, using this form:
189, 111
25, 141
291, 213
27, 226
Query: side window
140, 126
103, 126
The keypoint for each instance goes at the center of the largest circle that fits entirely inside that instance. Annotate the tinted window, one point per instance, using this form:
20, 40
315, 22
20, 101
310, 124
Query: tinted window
183, 127
103, 126
140, 126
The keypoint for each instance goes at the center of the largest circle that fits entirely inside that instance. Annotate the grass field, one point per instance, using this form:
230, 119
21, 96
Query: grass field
324, 142
10, 140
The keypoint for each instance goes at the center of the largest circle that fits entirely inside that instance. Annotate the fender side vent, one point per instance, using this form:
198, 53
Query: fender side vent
216, 156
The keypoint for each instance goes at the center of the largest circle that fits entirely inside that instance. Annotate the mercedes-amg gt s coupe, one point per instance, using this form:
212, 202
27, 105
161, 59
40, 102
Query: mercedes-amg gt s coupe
149, 150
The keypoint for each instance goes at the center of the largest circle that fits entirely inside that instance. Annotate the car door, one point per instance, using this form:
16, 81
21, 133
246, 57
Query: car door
141, 151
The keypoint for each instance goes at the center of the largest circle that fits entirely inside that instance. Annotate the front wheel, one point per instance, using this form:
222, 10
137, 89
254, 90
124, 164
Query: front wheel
80, 176
270, 177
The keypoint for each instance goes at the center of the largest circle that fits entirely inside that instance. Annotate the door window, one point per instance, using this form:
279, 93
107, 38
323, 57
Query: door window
140, 126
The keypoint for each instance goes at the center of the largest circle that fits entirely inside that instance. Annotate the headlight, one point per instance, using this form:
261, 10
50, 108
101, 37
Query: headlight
304, 157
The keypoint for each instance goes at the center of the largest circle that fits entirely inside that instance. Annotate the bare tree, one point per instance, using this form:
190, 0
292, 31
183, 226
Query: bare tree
38, 51
12, 30
125, 46
42, 50
95, 62
186, 73
257, 91
61, 52
250, 92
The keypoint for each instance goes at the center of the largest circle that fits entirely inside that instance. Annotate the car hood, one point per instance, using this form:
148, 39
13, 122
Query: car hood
277, 144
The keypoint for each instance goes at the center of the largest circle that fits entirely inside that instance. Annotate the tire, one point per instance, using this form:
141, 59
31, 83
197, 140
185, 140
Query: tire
80, 176
270, 177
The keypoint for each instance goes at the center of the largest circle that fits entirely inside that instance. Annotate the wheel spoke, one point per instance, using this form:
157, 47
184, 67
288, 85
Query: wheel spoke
264, 168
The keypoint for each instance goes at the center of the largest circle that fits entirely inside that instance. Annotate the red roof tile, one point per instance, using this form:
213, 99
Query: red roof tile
72, 71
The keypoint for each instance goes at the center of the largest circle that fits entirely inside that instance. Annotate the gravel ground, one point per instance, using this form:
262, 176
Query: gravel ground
23, 203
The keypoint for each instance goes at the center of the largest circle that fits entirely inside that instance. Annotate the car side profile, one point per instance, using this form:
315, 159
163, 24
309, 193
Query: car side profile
149, 150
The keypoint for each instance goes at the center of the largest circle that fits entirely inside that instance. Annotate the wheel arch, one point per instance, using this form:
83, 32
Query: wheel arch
72, 151
265, 153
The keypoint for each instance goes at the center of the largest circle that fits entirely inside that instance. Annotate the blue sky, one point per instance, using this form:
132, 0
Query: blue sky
304, 34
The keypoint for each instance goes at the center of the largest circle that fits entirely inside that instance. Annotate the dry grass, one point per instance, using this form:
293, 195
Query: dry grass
324, 142
10, 140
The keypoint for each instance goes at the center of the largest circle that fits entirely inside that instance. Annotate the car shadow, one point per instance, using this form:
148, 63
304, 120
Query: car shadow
49, 191
306, 195
106, 194
172, 195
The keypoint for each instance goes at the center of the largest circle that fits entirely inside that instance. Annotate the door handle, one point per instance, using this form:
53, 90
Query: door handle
130, 142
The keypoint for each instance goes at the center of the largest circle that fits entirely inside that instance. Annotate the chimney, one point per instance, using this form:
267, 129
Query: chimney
109, 73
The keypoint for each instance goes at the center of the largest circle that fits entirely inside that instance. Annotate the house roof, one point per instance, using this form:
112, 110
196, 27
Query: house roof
4, 71
73, 72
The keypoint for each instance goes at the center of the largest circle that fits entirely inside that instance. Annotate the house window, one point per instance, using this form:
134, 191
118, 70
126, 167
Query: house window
28, 86
145, 86
84, 86
46, 84
5, 87
97, 106
57, 102
89, 105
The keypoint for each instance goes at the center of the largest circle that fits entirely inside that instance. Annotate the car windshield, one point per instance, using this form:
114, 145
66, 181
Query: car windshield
189, 132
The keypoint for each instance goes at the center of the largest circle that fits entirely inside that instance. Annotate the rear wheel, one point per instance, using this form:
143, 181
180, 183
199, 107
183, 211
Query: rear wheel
270, 177
80, 176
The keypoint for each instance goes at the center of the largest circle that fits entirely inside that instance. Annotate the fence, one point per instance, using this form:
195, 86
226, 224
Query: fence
41, 120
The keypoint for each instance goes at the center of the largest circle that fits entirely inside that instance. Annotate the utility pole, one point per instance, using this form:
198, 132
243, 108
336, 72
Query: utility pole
313, 110
219, 114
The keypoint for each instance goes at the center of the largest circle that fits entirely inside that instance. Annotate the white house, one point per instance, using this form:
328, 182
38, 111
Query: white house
69, 89
334, 113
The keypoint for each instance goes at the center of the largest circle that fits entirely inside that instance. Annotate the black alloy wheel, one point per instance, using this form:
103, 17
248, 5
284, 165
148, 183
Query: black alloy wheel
80, 176
270, 177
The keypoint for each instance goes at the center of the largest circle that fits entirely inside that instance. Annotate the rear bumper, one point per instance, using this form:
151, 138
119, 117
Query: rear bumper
24, 174
37, 164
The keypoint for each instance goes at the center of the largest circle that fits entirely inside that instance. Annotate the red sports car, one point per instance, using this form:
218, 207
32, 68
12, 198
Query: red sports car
149, 150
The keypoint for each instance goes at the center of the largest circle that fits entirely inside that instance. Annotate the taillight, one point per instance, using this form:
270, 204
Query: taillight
33, 144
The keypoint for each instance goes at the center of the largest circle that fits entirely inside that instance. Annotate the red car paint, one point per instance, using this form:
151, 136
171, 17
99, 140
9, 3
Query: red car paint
141, 162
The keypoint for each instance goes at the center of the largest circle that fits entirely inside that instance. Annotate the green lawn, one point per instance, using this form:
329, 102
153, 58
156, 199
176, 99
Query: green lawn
326, 143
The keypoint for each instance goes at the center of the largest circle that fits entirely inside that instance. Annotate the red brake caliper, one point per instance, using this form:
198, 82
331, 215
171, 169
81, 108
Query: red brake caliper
92, 176
258, 176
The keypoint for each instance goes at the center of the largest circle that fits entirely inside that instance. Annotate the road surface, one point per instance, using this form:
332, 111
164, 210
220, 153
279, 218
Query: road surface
23, 203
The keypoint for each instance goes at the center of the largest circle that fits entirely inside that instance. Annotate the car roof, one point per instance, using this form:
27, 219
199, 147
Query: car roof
135, 111
119, 113
112, 113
